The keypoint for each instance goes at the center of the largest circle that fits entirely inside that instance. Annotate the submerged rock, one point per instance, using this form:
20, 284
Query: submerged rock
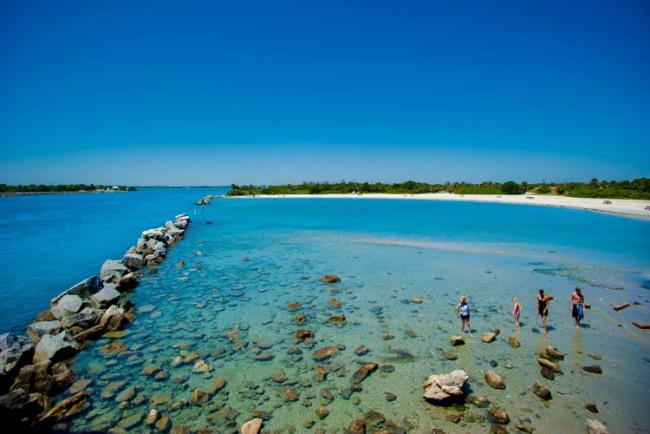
514, 342
331, 278
449, 355
496, 415
324, 353
361, 373
542, 391
494, 380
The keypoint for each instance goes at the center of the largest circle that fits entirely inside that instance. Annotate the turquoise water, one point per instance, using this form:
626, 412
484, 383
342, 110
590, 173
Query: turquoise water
228, 304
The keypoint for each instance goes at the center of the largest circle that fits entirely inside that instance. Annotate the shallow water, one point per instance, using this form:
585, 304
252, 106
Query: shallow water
228, 304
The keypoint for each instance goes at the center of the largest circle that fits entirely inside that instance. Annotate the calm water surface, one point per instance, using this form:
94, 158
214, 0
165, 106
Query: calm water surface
227, 307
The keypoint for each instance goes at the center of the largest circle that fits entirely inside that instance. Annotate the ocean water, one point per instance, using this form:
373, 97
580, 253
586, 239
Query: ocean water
245, 261
50, 242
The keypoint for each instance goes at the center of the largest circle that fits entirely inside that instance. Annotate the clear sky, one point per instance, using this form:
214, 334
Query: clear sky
264, 92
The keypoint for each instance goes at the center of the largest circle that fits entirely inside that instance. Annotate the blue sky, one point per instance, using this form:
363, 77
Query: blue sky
216, 92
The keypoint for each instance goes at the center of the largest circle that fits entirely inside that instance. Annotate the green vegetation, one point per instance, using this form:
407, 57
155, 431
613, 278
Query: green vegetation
60, 188
636, 189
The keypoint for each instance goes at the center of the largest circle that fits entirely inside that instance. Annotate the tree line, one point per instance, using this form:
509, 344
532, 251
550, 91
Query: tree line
59, 188
636, 189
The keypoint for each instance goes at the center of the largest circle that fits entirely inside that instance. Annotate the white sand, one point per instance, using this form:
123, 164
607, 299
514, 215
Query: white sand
623, 207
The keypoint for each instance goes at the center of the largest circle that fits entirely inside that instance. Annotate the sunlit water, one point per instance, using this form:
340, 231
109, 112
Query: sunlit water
228, 304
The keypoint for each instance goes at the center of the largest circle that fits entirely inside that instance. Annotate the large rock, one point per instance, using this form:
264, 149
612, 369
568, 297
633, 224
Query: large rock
252, 426
36, 330
83, 289
35, 378
494, 380
133, 260
15, 352
65, 408
112, 319
54, 348
69, 304
83, 320
16, 405
442, 388
112, 271
106, 297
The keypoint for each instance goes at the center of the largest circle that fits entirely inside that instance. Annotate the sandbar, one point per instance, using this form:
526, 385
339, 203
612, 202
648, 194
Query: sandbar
624, 207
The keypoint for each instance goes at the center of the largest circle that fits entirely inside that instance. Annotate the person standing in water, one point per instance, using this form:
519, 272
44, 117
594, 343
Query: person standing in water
543, 302
577, 305
463, 310
516, 310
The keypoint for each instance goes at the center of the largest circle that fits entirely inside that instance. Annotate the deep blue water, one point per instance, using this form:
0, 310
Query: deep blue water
51, 242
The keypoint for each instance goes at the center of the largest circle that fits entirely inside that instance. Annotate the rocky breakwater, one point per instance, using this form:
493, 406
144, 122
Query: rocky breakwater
35, 367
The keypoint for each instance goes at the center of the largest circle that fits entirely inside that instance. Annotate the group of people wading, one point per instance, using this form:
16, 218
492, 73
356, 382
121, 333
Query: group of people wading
543, 303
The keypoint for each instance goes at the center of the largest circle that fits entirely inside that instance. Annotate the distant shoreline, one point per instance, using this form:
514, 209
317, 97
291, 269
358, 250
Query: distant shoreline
38, 193
623, 207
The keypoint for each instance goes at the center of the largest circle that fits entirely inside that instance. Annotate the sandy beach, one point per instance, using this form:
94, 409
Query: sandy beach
623, 207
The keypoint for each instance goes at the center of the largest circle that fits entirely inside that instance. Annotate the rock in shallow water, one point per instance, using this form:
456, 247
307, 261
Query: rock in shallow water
440, 389
494, 380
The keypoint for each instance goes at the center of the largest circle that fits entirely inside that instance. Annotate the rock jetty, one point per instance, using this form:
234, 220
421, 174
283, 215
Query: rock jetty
35, 367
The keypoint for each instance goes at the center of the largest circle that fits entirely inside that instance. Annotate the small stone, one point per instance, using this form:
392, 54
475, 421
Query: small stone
594, 369
456, 340
324, 353
362, 350
337, 320
547, 373
496, 415
494, 380
335, 303
591, 407
514, 342
416, 300
293, 306
542, 391
390, 397
331, 278
488, 337
322, 412
301, 318
449, 355
387, 336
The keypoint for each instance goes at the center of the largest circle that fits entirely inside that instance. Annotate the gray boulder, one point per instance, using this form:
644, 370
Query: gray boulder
106, 297
440, 389
16, 405
84, 319
133, 260
112, 318
83, 289
15, 352
36, 330
67, 305
54, 348
112, 271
